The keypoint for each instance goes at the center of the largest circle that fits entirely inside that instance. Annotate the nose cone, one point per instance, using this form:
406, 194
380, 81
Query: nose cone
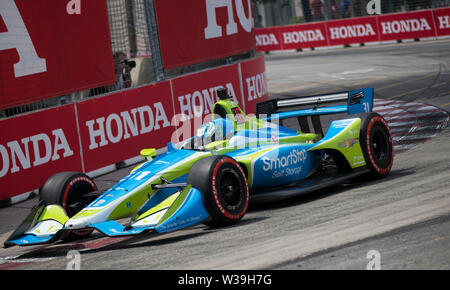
86, 217
75, 224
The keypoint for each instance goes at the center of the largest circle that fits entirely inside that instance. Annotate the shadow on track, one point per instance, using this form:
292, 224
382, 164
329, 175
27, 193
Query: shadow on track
326, 192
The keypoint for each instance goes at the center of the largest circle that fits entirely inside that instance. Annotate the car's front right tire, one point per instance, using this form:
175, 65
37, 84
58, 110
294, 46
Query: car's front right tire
67, 189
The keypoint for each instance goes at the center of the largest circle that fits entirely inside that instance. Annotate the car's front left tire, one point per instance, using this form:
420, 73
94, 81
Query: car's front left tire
224, 187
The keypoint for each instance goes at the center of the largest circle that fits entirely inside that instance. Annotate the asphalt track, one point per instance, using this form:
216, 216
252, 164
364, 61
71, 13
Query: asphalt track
404, 217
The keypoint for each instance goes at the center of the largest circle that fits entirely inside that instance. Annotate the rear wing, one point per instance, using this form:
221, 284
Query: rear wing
352, 102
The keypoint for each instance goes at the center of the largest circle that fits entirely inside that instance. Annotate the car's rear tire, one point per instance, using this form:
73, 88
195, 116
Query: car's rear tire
224, 187
376, 144
67, 189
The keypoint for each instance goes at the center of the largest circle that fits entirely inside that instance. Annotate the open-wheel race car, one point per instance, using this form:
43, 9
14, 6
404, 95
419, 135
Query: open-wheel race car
211, 177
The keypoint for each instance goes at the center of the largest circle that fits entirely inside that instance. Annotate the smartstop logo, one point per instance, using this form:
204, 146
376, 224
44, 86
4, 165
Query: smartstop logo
293, 158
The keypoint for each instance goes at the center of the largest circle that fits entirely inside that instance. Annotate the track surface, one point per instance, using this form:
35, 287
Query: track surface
405, 217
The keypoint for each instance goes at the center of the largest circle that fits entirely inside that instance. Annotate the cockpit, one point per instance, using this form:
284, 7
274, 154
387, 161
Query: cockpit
232, 128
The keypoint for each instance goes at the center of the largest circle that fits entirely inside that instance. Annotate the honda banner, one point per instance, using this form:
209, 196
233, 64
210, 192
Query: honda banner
51, 48
199, 30
35, 146
268, 39
386, 27
417, 24
353, 30
442, 21
194, 96
254, 83
117, 126
304, 36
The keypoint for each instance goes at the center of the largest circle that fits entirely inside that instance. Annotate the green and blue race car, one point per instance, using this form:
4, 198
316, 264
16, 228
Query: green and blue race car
211, 177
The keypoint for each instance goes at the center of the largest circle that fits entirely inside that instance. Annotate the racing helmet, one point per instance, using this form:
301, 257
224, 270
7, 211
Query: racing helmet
218, 129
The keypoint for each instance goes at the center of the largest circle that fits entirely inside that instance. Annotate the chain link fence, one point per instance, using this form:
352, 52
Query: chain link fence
284, 12
136, 55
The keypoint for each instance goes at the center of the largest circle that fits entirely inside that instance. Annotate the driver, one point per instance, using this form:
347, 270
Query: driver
216, 130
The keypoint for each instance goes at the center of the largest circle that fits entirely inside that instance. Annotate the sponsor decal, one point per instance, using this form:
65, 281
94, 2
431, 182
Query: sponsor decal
126, 125
180, 223
358, 160
266, 39
402, 26
45, 148
441, 18
303, 36
444, 21
41, 40
347, 143
256, 86
342, 123
380, 27
213, 30
294, 157
254, 83
352, 31
17, 37
216, 29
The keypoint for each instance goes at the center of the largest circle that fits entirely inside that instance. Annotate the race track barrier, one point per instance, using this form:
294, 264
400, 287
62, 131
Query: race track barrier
378, 28
97, 135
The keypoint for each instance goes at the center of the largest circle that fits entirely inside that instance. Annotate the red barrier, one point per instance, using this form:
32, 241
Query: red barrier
117, 126
418, 24
353, 30
308, 35
199, 30
49, 48
442, 21
35, 146
268, 39
194, 96
254, 83
387, 27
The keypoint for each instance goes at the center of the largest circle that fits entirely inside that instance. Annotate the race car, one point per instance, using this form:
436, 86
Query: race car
211, 177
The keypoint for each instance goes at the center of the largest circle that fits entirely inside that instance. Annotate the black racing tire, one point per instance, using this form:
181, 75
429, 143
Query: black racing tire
376, 144
224, 188
66, 189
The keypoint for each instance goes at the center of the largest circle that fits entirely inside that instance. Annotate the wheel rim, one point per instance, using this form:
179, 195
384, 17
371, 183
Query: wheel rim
229, 189
75, 202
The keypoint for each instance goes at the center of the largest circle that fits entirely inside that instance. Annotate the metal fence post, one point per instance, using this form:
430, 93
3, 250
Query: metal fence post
131, 27
154, 39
